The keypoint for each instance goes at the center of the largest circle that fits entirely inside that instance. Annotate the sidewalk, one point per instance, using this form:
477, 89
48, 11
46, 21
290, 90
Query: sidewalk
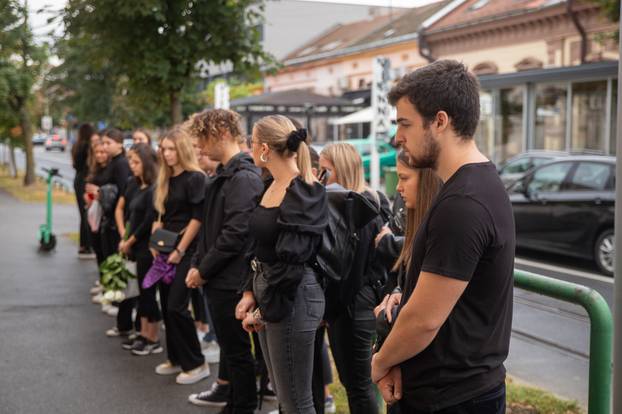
54, 355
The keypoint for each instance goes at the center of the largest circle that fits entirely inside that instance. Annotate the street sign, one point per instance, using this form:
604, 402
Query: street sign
46, 123
381, 110
221, 96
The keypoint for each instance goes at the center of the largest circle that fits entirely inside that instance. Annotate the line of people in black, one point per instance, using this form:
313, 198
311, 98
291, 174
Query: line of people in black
278, 248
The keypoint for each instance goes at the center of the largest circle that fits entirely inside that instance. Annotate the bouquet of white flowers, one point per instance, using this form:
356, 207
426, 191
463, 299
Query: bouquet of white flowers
118, 281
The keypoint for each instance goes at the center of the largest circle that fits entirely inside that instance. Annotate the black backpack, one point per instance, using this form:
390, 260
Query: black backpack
348, 212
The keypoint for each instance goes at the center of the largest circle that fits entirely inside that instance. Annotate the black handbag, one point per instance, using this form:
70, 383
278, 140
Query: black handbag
164, 241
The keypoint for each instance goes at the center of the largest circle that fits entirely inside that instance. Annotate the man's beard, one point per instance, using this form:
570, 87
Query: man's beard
429, 154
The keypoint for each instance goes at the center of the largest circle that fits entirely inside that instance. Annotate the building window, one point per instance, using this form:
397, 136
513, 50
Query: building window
362, 83
355, 65
511, 132
405, 57
484, 135
529, 63
589, 100
550, 125
485, 68
614, 116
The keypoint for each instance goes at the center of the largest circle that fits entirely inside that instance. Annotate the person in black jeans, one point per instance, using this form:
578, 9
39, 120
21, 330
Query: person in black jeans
445, 351
135, 245
222, 259
287, 227
79, 155
351, 330
179, 195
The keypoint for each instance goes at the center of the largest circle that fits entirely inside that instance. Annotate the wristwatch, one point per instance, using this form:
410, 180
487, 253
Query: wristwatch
180, 252
257, 315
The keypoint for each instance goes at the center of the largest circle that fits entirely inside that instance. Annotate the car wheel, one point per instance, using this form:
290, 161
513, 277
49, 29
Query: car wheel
605, 251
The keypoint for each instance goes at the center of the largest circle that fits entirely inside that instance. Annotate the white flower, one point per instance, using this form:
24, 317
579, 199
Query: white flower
119, 296
109, 296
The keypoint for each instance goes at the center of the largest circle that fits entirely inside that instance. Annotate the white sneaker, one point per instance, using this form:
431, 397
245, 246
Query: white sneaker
193, 376
112, 311
97, 299
113, 332
166, 368
106, 307
211, 352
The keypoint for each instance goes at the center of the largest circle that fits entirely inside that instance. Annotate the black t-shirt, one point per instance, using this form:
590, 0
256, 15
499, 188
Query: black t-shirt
264, 229
131, 188
185, 200
141, 217
468, 234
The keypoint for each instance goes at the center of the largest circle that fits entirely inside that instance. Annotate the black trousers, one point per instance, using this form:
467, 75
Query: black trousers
182, 344
490, 402
96, 244
318, 381
199, 307
351, 336
147, 302
85, 233
235, 346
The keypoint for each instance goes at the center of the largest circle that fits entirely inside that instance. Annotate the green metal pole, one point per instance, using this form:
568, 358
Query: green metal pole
48, 233
601, 331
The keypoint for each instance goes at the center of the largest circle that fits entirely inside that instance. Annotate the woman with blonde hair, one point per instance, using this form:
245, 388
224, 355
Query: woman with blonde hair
287, 227
178, 199
351, 319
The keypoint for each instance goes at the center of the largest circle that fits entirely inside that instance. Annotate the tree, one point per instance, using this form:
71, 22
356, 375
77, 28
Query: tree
154, 46
21, 64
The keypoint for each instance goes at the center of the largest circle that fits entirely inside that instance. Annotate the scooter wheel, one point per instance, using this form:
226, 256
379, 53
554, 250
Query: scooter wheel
46, 247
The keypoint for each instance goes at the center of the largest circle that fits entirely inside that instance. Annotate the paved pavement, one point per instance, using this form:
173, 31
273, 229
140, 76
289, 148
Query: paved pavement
54, 356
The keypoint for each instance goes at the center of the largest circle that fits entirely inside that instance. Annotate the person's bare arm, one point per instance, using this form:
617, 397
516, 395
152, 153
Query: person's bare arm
118, 216
419, 321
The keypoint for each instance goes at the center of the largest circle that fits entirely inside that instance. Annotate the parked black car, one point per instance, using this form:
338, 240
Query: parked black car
566, 206
517, 166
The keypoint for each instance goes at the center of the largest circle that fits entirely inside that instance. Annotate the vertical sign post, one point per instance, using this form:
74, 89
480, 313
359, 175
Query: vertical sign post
381, 112
221, 96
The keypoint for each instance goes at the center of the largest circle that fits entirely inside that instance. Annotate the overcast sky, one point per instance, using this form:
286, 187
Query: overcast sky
41, 27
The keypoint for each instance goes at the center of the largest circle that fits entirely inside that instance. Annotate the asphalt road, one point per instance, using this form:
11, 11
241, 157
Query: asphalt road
550, 342
54, 356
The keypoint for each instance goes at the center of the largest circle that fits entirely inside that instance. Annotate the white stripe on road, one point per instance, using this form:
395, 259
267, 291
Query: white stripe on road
572, 272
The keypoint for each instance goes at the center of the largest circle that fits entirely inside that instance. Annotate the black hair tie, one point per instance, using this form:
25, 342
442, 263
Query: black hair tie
295, 138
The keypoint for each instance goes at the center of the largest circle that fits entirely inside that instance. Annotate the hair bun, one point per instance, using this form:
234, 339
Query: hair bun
295, 138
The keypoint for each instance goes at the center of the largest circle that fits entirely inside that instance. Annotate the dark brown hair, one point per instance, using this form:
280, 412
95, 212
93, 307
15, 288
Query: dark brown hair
427, 188
211, 123
114, 134
445, 85
149, 159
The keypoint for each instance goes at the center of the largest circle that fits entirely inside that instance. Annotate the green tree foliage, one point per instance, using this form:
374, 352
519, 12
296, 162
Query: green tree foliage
21, 64
152, 47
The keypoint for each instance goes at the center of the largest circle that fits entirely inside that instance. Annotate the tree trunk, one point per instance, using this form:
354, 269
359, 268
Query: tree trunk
24, 120
12, 161
176, 116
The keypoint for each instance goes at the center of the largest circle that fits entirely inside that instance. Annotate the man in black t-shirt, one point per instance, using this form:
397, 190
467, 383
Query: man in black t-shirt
446, 350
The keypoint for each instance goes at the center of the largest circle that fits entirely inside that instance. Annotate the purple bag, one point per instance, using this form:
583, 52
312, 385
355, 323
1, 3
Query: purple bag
160, 270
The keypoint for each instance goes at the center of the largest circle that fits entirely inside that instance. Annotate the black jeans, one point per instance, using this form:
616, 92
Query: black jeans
182, 343
147, 302
198, 305
490, 402
351, 336
85, 233
235, 349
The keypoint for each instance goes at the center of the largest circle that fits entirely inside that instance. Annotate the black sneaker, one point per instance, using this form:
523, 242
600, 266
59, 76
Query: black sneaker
146, 347
128, 344
217, 396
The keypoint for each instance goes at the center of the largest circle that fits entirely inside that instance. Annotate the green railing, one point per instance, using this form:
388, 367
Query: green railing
601, 331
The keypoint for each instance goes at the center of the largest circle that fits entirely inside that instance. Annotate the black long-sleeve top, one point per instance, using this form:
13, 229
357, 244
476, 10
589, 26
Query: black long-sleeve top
301, 220
225, 245
119, 171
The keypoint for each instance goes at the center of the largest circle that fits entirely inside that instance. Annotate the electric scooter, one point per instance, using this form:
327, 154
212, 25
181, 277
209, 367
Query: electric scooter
47, 239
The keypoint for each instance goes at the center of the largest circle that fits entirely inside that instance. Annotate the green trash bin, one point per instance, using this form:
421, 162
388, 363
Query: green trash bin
390, 181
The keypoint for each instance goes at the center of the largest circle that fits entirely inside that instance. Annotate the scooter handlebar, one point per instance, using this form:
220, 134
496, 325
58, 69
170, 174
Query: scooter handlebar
52, 172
